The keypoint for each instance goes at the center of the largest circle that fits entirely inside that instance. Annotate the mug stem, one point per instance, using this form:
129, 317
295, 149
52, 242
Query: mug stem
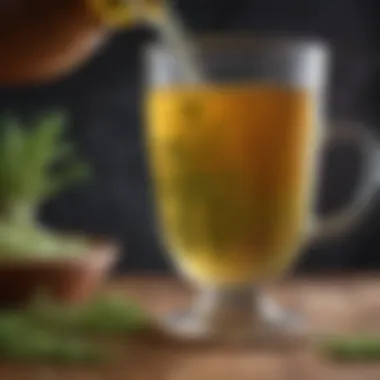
240, 315
228, 308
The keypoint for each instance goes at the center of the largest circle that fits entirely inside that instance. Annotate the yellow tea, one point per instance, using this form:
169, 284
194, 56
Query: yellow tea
232, 169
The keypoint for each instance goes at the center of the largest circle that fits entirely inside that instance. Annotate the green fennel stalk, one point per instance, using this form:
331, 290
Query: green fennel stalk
28, 154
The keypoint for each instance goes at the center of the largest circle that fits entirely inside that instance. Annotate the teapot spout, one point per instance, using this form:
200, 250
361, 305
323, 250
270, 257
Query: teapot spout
126, 13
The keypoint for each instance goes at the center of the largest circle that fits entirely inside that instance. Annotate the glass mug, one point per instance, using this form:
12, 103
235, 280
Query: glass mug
234, 162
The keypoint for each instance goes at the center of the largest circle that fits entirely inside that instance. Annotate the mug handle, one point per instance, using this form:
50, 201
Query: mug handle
342, 220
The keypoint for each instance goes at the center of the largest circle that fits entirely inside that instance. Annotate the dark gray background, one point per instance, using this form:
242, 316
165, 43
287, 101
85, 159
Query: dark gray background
104, 99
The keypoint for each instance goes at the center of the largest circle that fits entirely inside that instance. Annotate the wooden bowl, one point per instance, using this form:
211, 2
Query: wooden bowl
42, 40
64, 280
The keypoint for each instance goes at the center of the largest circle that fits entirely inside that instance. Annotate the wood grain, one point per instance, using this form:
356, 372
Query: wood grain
345, 304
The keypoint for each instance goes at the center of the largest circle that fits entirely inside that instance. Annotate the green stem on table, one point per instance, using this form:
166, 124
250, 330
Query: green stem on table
360, 348
50, 333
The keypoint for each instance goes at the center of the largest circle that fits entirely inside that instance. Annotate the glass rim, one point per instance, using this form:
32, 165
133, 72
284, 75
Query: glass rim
264, 41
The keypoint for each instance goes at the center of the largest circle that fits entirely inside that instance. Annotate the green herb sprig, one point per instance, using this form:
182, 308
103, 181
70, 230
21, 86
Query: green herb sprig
28, 154
353, 349
50, 333
22, 340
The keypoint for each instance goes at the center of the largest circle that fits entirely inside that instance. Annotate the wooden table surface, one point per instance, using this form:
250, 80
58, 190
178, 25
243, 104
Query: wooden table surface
350, 303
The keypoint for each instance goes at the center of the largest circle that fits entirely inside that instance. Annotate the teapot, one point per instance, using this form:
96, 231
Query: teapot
42, 40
